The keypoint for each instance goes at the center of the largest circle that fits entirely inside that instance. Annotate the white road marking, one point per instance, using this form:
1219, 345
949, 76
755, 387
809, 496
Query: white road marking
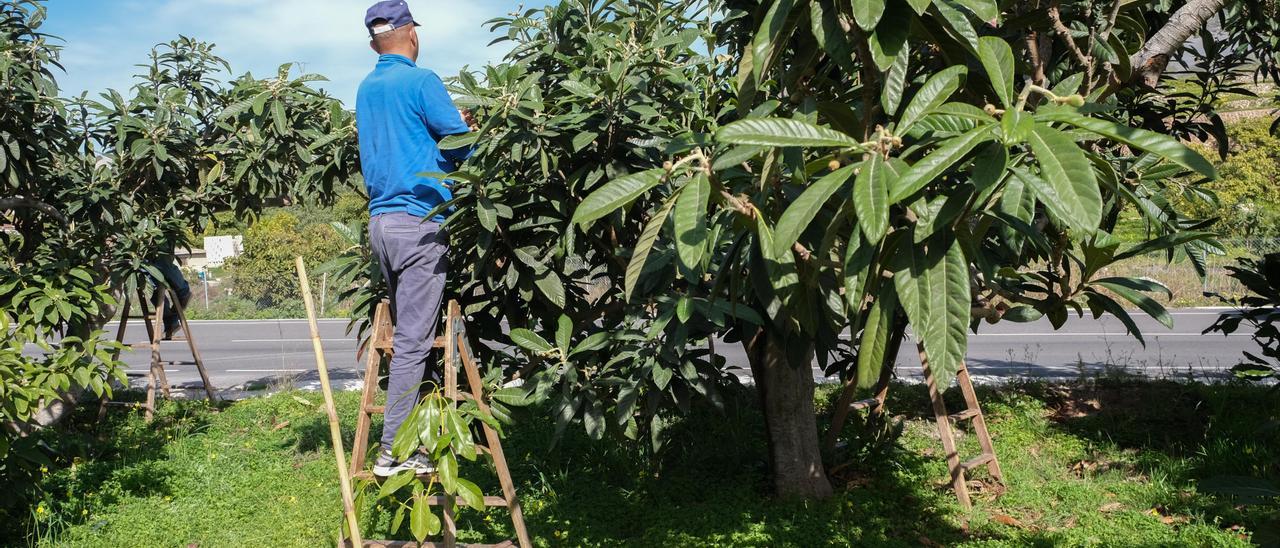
268, 370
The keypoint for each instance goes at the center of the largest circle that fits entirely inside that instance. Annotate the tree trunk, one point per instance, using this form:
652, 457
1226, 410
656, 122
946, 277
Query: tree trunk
1150, 61
786, 397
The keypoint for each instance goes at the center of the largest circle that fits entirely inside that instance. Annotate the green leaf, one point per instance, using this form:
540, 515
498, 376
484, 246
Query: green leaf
394, 483
867, 13
935, 91
583, 140
1168, 241
280, 118
871, 199
578, 88
857, 269
986, 10
616, 194
596, 341
805, 209
1022, 314
888, 42
959, 22
662, 376
470, 494
997, 60
552, 288
530, 341
1163, 146
564, 333
920, 5
644, 246
1131, 290
487, 214
1072, 190
447, 472
783, 132
895, 84
691, 221
462, 140
931, 167
769, 37
933, 285
1017, 126
875, 336
1110, 305
422, 523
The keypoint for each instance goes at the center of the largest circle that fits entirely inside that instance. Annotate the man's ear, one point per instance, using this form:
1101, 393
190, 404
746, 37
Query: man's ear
374, 47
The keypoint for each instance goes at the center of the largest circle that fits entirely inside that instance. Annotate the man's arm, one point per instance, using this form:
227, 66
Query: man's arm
442, 117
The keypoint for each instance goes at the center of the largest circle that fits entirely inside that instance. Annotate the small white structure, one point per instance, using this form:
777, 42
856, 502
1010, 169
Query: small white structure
220, 248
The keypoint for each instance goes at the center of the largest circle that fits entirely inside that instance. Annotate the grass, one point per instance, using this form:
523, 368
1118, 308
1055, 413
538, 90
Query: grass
1107, 462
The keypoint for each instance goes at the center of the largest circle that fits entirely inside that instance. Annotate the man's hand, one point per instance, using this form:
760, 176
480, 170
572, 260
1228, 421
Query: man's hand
469, 118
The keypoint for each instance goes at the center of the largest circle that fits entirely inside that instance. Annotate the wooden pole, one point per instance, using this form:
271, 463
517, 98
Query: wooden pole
335, 431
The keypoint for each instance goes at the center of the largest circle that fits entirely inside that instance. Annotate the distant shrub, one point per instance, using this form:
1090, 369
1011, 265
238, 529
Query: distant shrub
264, 274
1248, 184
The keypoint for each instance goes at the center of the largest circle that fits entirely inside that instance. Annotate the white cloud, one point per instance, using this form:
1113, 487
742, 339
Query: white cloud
324, 36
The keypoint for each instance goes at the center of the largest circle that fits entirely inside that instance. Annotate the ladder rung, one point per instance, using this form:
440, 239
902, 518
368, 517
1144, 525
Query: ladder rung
368, 475
437, 500
965, 415
388, 344
375, 409
976, 462
864, 404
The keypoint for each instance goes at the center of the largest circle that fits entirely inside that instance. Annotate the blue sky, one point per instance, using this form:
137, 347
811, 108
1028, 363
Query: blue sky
104, 39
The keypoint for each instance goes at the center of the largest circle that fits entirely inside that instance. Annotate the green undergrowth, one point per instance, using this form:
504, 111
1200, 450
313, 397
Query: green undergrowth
1105, 463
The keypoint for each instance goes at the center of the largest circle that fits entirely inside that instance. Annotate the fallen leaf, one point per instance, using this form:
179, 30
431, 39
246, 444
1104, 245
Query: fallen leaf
1111, 507
1007, 520
926, 541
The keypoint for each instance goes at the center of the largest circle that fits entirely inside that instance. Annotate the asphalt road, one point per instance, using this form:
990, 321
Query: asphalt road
253, 355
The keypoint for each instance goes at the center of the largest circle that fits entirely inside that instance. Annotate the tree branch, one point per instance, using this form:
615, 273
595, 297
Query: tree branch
1150, 61
16, 202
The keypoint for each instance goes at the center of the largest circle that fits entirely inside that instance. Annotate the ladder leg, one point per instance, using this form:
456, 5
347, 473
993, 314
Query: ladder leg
491, 436
364, 420
944, 431
125, 309
150, 407
452, 331
157, 332
450, 525
979, 423
191, 342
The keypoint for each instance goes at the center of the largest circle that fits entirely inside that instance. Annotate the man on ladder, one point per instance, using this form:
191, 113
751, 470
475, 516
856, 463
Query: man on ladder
402, 112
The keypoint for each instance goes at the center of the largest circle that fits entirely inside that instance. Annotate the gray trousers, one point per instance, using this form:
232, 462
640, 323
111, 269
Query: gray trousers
413, 257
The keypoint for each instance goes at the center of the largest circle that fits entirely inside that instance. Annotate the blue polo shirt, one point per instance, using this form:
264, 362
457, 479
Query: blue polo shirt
402, 112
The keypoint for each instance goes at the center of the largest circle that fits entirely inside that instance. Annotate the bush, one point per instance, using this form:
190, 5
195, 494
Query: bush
265, 273
1248, 184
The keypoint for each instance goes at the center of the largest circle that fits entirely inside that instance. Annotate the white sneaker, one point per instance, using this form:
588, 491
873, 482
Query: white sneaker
386, 465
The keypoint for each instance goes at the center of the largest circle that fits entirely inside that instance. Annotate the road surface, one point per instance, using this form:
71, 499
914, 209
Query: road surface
274, 354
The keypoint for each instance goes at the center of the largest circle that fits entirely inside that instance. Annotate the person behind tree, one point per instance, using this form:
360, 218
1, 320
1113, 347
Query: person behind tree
402, 113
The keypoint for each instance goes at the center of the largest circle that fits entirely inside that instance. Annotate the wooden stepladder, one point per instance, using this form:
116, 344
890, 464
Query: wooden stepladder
153, 320
457, 355
972, 412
